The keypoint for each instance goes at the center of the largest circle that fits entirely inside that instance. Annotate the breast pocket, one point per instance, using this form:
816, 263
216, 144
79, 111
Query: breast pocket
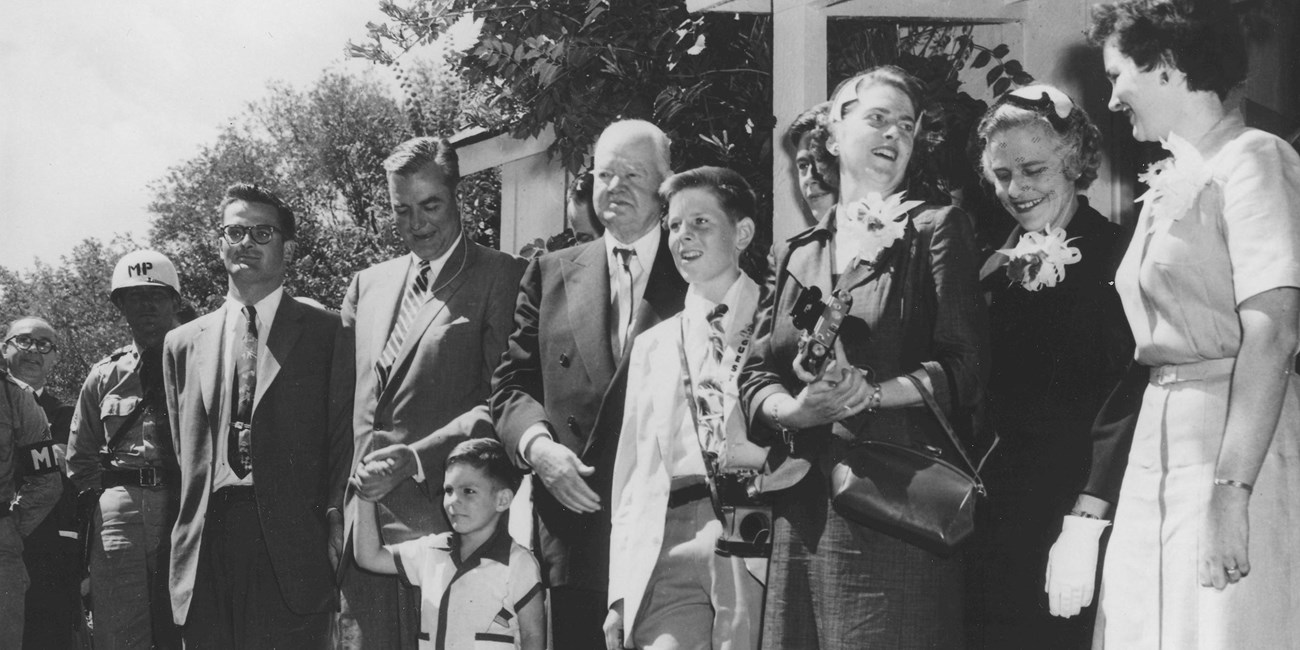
113, 412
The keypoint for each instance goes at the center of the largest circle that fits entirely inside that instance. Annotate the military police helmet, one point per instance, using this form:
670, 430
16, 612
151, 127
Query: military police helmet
145, 269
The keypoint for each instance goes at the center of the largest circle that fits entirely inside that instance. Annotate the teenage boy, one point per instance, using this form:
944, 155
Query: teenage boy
478, 586
668, 588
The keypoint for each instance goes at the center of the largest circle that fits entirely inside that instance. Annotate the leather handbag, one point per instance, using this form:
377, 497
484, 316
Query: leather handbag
909, 492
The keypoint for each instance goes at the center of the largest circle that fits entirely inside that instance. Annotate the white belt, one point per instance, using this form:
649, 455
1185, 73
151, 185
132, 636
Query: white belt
1210, 369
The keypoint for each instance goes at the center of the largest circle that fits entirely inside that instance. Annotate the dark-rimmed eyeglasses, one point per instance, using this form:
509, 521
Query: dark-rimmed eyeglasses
234, 234
25, 342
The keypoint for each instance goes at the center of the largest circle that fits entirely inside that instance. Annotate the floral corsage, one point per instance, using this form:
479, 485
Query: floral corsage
875, 224
1039, 259
1175, 182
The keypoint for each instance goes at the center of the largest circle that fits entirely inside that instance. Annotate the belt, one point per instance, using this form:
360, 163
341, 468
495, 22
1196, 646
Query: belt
143, 477
690, 491
1196, 371
232, 494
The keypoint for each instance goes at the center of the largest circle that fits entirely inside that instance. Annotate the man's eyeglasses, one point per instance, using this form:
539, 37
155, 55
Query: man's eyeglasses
261, 234
25, 342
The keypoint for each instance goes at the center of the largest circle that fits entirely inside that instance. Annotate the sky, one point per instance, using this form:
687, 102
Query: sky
98, 100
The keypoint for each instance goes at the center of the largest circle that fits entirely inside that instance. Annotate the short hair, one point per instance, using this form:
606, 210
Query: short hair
1199, 37
253, 193
1080, 138
888, 75
729, 187
417, 153
643, 129
813, 120
14, 323
488, 456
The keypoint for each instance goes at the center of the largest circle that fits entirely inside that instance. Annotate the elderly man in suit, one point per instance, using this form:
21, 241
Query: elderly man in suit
558, 394
425, 330
30, 351
259, 409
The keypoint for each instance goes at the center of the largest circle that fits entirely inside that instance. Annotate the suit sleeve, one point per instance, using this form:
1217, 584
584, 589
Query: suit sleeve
39, 490
761, 378
172, 388
434, 448
87, 436
342, 393
516, 402
959, 366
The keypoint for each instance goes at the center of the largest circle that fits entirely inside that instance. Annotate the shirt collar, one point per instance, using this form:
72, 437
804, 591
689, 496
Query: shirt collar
437, 262
496, 548
266, 308
645, 247
741, 300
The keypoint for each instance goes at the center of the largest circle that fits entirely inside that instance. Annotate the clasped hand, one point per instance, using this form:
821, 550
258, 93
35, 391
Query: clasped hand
839, 393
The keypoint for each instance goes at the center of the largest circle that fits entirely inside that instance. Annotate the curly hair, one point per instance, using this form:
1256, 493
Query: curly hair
1201, 38
813, 121
1080, 138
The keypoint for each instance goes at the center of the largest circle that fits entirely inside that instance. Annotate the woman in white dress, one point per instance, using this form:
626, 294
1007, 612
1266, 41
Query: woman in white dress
1203, 552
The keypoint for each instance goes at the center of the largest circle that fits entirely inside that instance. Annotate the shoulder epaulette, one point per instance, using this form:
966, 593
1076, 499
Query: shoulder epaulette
115, 355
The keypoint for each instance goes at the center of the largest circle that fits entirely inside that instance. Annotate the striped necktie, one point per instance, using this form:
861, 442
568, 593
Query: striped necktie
411, 304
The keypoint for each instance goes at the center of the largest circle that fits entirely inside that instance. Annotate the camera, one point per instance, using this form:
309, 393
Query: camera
746, 520
819, 324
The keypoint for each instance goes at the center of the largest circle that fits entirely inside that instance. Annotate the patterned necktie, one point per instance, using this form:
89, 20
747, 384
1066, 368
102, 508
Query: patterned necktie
239, 447
709, 395
411, 304
623, 311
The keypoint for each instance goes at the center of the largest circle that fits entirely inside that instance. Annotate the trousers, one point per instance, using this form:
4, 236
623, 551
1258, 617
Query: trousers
128, 569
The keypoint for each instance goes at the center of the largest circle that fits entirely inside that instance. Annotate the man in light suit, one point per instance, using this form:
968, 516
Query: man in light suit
259, 412
558, 395
424, 351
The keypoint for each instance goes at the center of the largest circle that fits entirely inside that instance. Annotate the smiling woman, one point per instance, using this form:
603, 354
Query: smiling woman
916, 310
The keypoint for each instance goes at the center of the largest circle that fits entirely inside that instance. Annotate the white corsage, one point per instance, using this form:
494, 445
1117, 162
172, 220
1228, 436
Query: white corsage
872, 225
1039, 259
1175, 182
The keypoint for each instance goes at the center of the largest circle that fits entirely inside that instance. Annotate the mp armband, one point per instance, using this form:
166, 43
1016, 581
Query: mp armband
38, 458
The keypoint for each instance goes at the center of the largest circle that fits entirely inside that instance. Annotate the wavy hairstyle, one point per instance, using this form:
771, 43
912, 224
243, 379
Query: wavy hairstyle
1080, 138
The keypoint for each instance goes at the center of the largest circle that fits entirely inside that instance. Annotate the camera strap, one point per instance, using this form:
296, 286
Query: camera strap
737, 359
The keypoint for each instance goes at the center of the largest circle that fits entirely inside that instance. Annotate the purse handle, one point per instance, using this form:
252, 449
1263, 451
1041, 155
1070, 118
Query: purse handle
947, 428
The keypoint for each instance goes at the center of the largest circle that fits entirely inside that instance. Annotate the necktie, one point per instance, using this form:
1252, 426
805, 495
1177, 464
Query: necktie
411, 304
623, 313
709, 395
239, 449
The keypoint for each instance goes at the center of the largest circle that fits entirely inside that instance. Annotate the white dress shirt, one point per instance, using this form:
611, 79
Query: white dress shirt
233, 331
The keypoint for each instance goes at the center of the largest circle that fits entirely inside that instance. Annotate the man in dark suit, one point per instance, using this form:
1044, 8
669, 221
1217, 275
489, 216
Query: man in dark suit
260, 410
558, 394
51, 552
426, 330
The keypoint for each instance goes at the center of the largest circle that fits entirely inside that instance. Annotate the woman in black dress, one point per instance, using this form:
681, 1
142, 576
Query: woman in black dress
1059, 343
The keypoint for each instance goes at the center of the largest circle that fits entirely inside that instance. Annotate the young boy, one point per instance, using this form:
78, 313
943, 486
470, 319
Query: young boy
668, 588
479, 588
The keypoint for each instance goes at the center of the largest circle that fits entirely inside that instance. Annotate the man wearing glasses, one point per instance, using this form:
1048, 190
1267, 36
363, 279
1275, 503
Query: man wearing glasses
260, 418
122, 465
29, 487
52, 554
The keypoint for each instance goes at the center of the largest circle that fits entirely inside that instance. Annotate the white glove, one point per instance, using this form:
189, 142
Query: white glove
1072, 565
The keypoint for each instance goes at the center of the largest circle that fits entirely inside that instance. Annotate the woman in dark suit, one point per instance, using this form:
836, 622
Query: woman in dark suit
911, 271
1059, 342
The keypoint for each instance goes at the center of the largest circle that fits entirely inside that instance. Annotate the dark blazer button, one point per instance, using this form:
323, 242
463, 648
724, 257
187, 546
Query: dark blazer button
564, 361
573, 424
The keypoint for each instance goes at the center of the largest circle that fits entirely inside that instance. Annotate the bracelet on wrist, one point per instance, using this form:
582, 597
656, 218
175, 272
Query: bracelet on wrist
1227, 482
787, 434
1080, 513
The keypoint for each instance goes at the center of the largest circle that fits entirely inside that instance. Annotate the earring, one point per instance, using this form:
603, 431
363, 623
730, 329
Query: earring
1164, 78
833, 148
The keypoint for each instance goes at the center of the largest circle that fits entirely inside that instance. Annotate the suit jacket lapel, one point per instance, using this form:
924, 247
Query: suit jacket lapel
388, 297
455, 271
811, 264
211, 366
587, 293
285, 330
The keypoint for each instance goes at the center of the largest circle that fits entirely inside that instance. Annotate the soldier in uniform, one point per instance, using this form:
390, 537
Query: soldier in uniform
29, 487
52, 553
120, 458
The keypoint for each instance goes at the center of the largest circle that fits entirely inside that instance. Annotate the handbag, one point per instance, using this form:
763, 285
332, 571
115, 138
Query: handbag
909, 492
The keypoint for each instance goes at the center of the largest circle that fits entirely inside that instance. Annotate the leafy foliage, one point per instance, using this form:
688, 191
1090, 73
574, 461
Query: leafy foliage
73, 297
577, 65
